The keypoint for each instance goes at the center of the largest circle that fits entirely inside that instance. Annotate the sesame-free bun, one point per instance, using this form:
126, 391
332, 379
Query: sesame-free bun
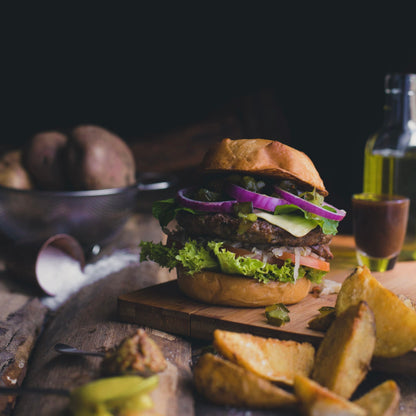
263, 157
233, 290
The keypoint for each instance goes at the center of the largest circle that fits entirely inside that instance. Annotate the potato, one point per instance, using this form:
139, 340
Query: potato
395, 322
226, 383
43, 157
316, 400
270, 358
382, 400
98, 159
12, 172
344, 355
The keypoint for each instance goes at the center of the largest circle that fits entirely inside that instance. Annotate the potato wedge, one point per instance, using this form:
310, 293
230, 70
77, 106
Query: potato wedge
344, 355
395, 322
226, 383
316, 400
270, 358
382, 400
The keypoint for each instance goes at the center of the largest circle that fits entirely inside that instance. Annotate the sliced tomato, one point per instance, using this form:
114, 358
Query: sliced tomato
308, 261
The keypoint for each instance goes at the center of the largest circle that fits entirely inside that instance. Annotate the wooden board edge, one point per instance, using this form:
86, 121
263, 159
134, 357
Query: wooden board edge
175, 322
202, 327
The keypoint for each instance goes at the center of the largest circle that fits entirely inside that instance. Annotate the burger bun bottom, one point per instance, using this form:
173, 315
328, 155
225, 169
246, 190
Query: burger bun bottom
231, 290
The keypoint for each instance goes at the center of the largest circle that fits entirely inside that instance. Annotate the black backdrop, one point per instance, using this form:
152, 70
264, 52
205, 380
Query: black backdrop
144, 73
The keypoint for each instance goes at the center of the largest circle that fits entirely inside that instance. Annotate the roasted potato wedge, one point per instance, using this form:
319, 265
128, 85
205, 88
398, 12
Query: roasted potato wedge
226, 383
382, 400
395, 322
316, 400
344, 355
270, 358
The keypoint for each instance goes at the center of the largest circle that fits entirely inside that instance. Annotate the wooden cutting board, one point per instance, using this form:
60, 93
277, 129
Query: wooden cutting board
165, 308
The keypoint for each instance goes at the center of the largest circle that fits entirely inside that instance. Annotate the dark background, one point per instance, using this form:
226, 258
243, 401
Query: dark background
142, 72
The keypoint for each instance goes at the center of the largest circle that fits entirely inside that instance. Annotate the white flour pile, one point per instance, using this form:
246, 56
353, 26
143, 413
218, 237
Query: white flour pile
60, 275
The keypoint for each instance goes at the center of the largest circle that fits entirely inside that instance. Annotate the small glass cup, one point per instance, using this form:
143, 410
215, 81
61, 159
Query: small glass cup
379, 226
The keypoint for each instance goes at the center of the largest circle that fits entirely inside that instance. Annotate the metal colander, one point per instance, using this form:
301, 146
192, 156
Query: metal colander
92, 217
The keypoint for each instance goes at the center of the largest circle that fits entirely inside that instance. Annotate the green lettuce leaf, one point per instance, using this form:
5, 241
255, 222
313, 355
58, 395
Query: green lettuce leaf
196, 257
165, 211
328, 226
315, 275
159, 253
263, 272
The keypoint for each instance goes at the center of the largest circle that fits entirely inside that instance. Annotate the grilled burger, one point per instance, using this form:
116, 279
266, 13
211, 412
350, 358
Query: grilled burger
255, 232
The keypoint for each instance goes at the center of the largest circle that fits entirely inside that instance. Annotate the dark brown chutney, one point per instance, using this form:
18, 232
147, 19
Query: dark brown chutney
379, 223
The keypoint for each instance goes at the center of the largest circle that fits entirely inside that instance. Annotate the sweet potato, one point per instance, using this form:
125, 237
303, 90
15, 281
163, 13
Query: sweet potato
270, 358
226, 383
344, 355
395, 322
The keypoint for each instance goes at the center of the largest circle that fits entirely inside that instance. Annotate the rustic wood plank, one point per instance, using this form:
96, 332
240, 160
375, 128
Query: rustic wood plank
21, 320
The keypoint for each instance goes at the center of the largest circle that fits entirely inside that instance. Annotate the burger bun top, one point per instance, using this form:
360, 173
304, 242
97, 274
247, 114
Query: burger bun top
263, 157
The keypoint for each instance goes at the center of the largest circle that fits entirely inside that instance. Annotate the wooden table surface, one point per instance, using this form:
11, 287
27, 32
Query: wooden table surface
88, 320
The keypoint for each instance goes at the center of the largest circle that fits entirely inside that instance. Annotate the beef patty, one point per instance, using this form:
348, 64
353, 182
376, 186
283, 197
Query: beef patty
225, 227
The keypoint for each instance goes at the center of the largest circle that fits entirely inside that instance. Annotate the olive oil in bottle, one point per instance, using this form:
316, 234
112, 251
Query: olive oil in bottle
390, 154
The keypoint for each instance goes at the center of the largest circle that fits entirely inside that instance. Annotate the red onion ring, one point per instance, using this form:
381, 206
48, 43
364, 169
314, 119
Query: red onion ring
338, 215
222, 206
260, 201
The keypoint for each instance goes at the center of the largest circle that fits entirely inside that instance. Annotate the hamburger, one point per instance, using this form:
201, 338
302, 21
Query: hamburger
255, 230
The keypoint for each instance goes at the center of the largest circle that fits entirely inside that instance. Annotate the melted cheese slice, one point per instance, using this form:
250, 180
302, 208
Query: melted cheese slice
293, 224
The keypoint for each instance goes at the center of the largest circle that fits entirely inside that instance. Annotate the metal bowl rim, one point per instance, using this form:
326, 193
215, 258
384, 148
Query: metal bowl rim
75, 194
162, 182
